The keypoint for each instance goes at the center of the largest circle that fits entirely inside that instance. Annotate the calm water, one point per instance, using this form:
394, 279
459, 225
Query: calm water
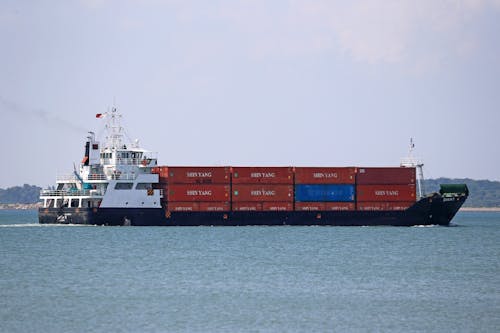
249, 279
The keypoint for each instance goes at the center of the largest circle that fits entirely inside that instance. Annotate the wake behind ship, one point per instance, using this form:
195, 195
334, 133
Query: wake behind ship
122, 184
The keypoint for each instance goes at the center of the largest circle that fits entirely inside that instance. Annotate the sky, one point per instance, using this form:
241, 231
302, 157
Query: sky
241, 82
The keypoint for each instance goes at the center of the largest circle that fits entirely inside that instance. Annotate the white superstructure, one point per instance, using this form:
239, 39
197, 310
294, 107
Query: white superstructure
114, 175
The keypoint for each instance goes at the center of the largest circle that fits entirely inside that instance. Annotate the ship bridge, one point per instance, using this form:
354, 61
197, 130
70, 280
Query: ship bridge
114, 175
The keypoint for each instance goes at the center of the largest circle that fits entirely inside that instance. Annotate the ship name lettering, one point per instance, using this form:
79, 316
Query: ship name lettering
264, 193
199, 192
325, 175
263, 175
387, 193
199, 174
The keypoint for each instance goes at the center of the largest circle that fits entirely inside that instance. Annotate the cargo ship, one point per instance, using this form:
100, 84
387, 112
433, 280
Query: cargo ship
121, 184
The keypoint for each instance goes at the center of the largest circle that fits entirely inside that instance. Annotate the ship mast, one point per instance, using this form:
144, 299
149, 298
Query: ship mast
411, 162
114, 129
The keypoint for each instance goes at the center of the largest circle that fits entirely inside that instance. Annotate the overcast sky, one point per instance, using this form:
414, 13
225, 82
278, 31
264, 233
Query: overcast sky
317, 82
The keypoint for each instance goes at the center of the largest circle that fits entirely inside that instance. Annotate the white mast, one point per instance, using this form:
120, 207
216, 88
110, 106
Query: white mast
412, 162
114, 129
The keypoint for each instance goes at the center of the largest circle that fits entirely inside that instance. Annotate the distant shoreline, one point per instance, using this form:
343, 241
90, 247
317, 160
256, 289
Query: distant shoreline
21, 206
480, 209
38, 205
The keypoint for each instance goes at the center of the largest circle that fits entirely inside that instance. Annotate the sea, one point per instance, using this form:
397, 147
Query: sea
249, 279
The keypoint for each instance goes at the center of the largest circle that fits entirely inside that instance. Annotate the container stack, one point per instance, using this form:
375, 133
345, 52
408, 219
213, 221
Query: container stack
325, 189
222, 189
198, 189
385, 188
262, 188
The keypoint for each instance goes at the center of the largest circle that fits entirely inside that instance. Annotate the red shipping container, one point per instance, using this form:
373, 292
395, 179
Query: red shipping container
397, 175
384, 206
214, 206
262, 175
199, 175
339, 206
247, 206
327, 175
198, 206
162, 172
385, 193
309, 206
324, 206
200, 193
183, 206
261, 193
277, 206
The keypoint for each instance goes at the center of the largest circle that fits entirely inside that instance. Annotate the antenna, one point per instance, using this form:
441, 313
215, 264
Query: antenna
412, 162
412, 146
113, 128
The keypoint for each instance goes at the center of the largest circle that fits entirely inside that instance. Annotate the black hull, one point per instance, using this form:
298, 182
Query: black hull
434, 210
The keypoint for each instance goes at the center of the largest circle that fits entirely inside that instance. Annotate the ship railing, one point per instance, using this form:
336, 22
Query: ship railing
145, 161
96, 176
128, 161
71, 193
409, 162
122, 161
66, 178
73, 178
123, 176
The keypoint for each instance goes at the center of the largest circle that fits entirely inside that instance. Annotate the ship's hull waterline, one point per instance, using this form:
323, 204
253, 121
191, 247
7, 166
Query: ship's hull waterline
427, 211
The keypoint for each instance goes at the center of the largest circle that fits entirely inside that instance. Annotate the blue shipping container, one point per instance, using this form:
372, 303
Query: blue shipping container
324, 192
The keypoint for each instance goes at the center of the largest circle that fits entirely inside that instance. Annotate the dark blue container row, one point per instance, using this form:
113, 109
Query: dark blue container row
324, 192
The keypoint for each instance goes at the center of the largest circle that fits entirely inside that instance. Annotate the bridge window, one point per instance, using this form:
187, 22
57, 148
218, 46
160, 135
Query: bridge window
143, 186
105, 155
124, 186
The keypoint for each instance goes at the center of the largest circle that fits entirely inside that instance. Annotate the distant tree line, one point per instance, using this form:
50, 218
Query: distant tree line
20, 194
483, 193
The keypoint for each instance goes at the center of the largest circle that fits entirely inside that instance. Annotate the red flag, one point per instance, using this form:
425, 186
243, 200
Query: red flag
99, 115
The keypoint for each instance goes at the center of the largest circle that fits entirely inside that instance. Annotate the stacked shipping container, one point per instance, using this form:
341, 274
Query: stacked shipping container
195, 189
324, 188
262, 189
212, 189
199, 175
385, 188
